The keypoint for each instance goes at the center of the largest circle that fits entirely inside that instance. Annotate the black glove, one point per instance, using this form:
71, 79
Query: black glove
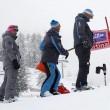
86, 44
15, 64
66, 54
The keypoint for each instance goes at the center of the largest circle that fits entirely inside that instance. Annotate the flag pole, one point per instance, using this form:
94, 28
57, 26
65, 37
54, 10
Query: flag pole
107, 23
107, 28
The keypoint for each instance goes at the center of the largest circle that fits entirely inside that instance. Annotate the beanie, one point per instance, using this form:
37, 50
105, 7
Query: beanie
54, 23
12, 28
88, 11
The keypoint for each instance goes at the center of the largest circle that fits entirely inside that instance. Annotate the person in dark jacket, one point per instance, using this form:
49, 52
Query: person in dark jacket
11, 64
83, 42
51, 48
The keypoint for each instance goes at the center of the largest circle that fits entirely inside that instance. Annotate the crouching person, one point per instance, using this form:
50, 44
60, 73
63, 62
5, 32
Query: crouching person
51, 48
11, 59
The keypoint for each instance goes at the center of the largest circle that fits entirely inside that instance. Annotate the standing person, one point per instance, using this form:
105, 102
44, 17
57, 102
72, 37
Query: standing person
11, 59
51, 49
83, 42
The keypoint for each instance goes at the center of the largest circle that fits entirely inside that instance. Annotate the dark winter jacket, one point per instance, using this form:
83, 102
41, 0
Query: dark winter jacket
10, 50
51, 47
82, 31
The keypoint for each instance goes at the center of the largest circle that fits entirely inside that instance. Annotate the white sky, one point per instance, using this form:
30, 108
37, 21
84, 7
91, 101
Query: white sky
35, 15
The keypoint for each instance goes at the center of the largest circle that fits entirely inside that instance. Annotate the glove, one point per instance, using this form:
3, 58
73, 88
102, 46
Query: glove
86, 44
15, 64
66, 54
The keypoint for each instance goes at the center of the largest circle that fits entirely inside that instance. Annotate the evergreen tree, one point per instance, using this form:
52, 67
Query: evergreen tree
30, 55
22, 78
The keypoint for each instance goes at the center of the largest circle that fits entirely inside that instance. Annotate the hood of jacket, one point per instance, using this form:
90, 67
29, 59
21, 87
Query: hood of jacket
81, 15
9, 34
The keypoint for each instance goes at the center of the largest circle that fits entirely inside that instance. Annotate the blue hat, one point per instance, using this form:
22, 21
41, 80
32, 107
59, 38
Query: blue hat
54, 23
88, 11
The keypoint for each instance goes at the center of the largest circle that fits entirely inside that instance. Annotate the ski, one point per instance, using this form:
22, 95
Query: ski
80, 90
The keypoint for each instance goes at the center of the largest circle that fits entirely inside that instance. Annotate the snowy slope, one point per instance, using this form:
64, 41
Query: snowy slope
97, 99
87, 100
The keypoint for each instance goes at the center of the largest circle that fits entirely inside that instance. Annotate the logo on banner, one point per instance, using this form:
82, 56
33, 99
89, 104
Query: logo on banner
100, 39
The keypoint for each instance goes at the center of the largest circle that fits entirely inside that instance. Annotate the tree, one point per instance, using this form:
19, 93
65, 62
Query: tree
22, 78
30, 55
33, 51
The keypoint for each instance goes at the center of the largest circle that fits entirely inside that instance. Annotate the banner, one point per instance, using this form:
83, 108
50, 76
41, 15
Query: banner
101, 39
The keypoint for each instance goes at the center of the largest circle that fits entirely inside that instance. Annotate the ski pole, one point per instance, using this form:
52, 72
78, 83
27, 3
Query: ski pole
104, 71
70, 49
105, 80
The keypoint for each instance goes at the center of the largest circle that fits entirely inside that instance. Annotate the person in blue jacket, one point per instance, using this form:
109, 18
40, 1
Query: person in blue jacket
51, 47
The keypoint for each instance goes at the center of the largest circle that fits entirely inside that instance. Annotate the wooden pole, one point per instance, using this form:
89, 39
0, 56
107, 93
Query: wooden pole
107, 28
107, 23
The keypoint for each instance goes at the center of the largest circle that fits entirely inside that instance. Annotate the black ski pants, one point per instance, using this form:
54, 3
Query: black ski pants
83, 55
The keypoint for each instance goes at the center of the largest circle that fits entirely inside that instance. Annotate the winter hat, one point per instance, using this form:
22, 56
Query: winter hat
12, 28
54, 23
88, 11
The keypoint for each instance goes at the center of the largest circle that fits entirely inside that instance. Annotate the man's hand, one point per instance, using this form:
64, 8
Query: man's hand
86, 44
66, 54
15, 64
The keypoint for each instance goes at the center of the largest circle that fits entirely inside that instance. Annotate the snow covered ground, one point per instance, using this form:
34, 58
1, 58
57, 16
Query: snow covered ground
97, 99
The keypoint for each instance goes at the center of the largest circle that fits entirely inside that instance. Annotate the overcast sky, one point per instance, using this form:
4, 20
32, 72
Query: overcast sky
35, 15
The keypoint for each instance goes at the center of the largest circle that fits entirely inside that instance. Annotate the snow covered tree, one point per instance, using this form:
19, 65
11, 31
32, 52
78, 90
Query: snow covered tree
22, 78
33, 52
30, 55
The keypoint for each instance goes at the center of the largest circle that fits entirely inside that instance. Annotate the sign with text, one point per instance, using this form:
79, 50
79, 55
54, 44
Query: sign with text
101, 39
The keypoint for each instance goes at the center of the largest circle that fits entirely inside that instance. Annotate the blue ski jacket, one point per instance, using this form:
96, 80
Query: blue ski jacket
52, 47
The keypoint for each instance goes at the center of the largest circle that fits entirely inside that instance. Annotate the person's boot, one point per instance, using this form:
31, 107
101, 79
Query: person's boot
46, 94
85, 87
54, 92
10, 100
